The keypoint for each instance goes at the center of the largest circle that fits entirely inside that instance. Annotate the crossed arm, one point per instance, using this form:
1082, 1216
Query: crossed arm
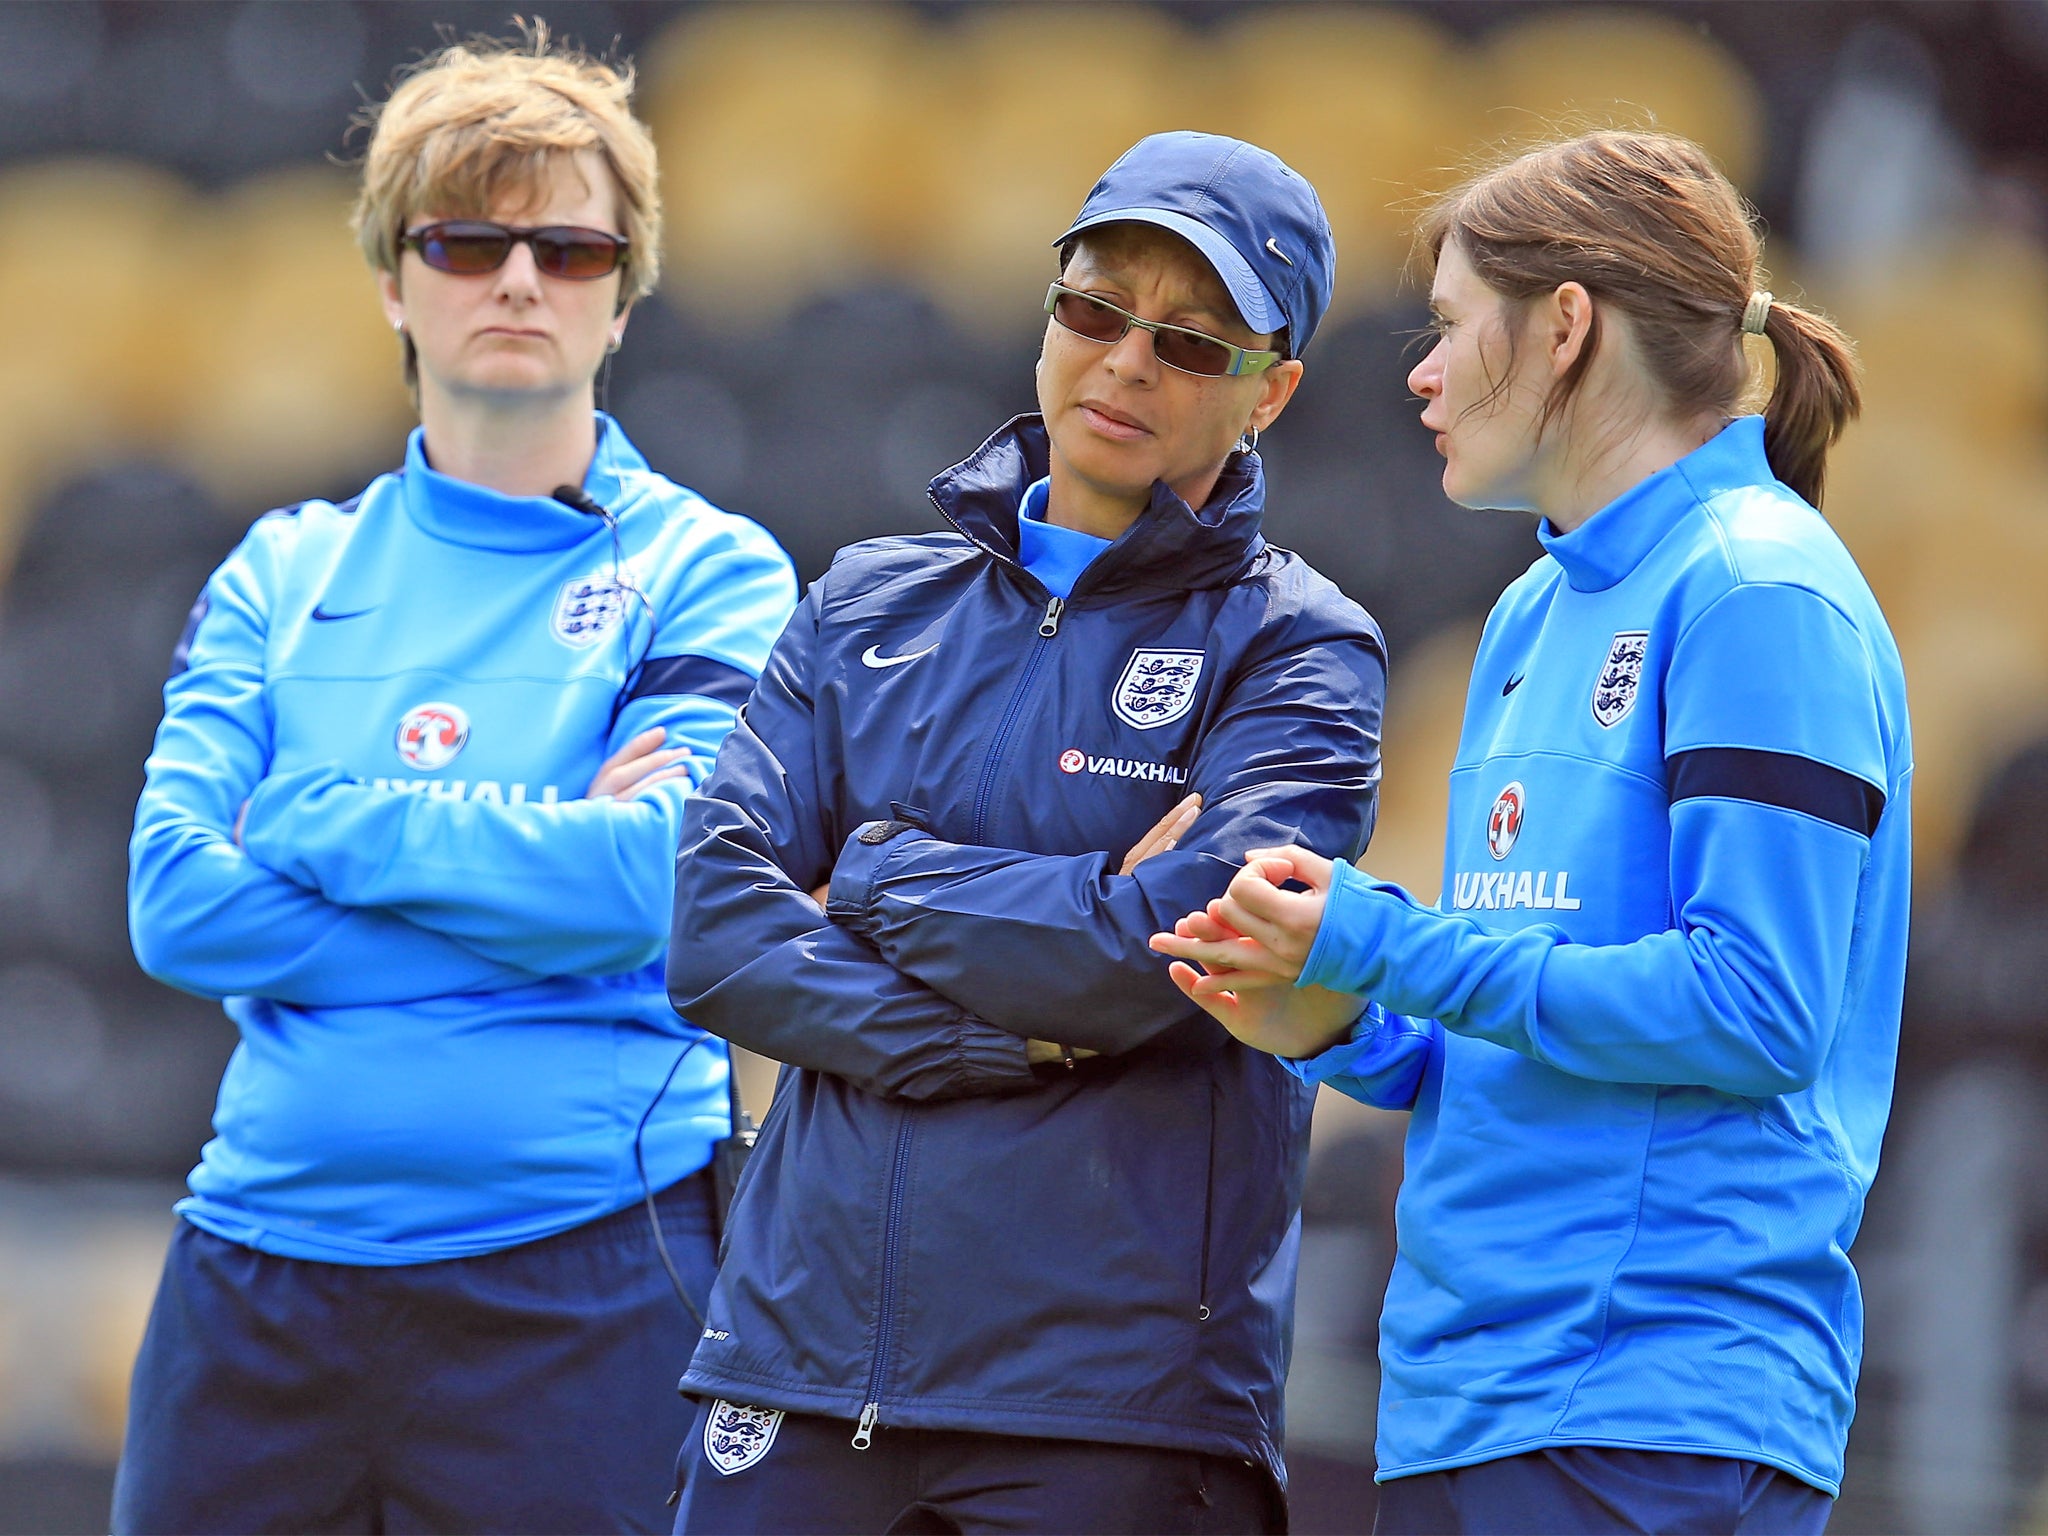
1163, 836
1743, 993
912, 981
309, 888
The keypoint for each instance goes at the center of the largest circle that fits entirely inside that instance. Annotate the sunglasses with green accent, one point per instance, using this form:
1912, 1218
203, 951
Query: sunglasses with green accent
1176, 346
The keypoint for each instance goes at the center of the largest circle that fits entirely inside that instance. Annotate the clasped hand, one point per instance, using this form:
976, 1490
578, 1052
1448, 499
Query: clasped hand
1251, 944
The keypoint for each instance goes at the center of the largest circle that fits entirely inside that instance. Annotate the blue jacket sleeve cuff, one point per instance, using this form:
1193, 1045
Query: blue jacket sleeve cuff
1347, 934
858, 872
1337, 1060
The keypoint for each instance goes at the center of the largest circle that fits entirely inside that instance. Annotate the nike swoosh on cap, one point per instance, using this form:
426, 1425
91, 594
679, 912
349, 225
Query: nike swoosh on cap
873, 657
322, 616
1512, 684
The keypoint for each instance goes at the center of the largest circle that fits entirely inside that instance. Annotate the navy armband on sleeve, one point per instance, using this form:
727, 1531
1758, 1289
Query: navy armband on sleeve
181, 653
700, 675
1783, 779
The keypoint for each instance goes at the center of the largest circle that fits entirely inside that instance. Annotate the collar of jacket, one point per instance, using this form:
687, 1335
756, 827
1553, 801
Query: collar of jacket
1611, 543
476, 515
1170, 545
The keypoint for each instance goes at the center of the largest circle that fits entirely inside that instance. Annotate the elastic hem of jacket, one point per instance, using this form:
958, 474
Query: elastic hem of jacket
986, 1417
991, 1054
1832, 1487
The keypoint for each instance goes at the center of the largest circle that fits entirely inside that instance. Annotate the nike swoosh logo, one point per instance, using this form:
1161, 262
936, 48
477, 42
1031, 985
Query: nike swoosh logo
873, 657
1512, 684
322, 616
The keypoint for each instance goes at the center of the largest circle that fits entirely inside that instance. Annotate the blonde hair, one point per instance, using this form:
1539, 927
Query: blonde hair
480, 120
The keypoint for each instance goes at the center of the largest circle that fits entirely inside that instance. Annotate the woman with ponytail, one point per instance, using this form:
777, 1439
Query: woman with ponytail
1648, 1030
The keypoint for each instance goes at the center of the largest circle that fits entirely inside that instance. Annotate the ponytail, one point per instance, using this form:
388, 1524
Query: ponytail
1816, 395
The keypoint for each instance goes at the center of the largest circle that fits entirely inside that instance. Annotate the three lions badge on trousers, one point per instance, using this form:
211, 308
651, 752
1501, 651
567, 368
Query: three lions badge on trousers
736, 1436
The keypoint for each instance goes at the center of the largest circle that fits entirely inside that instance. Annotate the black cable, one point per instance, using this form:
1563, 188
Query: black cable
624, 579
647, 1189
574, 496
580, 500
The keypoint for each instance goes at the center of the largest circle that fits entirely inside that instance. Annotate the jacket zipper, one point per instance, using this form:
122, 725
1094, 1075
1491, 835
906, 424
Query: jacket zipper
1048, 627
885, 1325
1202, 1313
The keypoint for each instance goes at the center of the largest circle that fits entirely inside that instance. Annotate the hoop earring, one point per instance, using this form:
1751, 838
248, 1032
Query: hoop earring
1248, 440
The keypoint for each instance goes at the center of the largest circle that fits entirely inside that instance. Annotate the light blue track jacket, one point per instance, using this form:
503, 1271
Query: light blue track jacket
1648, 1033
445, 963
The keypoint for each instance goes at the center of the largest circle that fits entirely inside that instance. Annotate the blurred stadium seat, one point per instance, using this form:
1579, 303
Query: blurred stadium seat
1037, 100
795, 145
1378, 107
288, 373
1636, 68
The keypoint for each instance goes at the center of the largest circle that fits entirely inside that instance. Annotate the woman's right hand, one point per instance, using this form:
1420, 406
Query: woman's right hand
1165, 834
640, 764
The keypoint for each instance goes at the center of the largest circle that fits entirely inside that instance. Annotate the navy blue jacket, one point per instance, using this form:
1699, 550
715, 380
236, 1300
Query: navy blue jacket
932, 1233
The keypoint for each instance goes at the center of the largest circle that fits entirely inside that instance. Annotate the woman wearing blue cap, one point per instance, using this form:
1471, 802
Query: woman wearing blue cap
975, 1280
1648, 1030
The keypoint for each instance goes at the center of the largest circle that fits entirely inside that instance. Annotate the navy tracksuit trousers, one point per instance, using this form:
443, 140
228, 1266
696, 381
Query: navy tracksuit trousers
745, 1471
1603, 1491
529, 1390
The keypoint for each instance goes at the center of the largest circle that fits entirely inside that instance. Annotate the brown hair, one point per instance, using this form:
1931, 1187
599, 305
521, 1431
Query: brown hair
479, 120
1647, 223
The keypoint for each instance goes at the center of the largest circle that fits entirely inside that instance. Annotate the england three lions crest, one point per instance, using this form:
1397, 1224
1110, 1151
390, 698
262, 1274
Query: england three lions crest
587, 608
1157, 687
736, 1435
1621, 676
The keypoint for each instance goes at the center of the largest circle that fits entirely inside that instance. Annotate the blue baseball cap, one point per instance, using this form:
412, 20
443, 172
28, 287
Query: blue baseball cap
1259, 223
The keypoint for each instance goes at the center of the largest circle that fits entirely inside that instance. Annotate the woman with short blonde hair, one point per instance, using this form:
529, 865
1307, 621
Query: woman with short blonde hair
412, 813
477, 124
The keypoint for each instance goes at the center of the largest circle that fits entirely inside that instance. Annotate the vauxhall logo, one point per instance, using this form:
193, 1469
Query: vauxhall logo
1074, 760
1491, 890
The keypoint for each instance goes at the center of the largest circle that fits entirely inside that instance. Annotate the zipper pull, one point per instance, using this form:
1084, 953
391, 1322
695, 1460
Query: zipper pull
1050, 624
864, 1432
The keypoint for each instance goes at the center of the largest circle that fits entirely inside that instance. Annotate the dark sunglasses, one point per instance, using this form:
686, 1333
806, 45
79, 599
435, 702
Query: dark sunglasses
1174, 345
471, 247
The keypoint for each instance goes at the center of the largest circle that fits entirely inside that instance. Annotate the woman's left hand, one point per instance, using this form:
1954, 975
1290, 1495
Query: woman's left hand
1260, 1009
1271, 929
